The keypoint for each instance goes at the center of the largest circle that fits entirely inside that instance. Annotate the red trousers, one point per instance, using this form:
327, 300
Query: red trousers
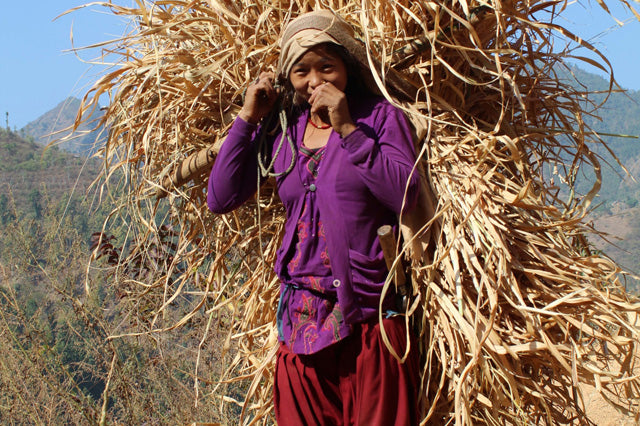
353, 382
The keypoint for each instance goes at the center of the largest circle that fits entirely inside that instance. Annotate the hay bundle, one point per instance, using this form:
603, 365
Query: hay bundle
513, 308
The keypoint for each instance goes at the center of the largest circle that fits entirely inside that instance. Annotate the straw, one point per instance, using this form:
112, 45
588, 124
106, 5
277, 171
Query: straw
513, 308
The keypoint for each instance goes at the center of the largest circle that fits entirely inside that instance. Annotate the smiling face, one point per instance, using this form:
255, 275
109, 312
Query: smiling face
315, 66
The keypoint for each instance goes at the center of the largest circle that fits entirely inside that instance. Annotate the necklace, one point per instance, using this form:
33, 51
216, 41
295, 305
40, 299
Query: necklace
323, 127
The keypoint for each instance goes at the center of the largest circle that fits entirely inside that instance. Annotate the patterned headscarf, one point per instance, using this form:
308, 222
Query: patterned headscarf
311, 29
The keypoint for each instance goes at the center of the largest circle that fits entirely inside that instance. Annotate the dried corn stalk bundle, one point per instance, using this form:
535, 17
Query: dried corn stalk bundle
513, 309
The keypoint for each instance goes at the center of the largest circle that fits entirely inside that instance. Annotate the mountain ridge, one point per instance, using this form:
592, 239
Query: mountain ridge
54, 127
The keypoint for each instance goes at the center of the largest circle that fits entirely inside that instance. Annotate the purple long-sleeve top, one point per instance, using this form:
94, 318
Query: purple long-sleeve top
364, 181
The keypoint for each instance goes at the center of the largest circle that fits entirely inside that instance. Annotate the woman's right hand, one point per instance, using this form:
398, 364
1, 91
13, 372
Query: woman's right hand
259, 98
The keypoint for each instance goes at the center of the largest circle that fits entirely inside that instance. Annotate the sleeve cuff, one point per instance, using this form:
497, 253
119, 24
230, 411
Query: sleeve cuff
242, 129
358, 146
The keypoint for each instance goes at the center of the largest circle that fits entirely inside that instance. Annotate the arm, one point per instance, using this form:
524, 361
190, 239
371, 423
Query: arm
234, 175
384, 158
383, 153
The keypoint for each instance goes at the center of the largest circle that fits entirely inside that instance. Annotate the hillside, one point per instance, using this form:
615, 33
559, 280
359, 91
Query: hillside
55, 313
50, 127
30, 174
619, 115
616, 209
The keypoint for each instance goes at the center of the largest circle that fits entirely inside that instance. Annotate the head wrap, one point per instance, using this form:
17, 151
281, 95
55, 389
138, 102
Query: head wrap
309, 30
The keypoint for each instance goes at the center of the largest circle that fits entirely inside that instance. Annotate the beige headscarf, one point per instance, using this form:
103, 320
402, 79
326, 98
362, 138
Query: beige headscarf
311, 29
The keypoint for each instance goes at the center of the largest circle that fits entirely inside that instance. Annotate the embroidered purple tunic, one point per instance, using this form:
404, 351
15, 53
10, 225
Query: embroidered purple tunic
330, 262
309, 315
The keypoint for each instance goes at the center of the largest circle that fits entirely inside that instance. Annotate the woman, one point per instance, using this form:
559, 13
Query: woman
343, 168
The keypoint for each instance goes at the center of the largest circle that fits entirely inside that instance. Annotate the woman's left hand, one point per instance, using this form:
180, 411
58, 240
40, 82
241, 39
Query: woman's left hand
330, 102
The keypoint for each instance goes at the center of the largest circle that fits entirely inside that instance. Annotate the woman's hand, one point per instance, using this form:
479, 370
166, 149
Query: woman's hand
330, 103
259, 98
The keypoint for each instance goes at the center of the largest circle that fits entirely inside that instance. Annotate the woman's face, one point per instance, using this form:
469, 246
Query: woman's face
317, 65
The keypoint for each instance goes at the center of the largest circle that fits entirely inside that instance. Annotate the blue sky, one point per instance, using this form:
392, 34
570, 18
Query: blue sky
619, 43
35, 71
36, 74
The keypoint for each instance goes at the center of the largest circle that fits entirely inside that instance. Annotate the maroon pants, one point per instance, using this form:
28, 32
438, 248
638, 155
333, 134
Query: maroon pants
353, 382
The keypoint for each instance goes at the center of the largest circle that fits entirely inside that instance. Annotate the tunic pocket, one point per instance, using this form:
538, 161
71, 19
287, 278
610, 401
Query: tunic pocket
367, 270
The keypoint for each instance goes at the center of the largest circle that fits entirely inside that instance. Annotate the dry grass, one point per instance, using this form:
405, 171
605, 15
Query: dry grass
513, 308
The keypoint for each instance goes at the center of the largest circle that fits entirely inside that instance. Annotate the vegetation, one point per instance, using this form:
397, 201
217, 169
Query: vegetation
76, 348
58, 364
509, 294
615, 210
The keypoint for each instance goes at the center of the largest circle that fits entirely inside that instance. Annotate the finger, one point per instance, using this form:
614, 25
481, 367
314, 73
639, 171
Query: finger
317, 92
264, 93
321, 87
318, 107
315, 98
326, 87
266, 77
313, 102
267, 74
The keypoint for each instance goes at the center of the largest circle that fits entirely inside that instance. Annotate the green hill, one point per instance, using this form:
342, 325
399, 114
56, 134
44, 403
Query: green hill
619, 115
617, 211
56, 313
31, 176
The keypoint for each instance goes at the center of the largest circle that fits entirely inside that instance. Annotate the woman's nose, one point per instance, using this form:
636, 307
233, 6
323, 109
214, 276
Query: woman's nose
315, 80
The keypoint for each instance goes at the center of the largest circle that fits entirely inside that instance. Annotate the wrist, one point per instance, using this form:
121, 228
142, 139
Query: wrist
346, 129
249, 118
